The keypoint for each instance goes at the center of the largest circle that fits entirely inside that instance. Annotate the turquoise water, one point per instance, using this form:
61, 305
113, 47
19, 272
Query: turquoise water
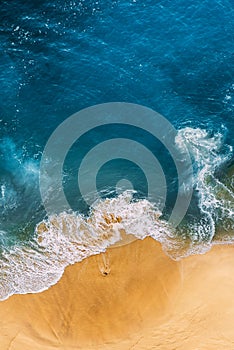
60, 57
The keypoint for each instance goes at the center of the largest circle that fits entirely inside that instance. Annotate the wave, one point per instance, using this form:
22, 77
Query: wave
67, 238
215, 199
70, 237
19, 177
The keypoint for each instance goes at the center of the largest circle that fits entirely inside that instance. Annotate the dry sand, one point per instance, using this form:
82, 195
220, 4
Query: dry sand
132, 297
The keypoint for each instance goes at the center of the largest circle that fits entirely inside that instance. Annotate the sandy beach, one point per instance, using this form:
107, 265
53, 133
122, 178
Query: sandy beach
131, 297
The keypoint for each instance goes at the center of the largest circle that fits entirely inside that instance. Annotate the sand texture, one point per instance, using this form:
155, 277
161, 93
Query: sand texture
131, 297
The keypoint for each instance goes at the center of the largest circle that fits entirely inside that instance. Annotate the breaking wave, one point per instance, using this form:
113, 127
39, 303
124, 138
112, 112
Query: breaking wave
70, 237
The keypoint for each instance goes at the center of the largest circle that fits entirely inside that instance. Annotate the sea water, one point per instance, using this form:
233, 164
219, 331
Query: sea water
58, 57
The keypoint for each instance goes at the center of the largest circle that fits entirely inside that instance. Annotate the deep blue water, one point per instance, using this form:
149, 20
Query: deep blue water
58, 57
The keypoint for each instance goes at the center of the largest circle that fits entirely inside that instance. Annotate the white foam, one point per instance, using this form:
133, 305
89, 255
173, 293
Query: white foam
216, 201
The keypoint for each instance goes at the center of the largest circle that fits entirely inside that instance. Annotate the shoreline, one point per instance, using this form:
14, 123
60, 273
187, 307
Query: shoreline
130, 296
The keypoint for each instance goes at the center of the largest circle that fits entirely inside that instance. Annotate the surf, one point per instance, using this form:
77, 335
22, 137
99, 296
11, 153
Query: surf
66, 238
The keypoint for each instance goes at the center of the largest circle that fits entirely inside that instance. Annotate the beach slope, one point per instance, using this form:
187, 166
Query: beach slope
131, 297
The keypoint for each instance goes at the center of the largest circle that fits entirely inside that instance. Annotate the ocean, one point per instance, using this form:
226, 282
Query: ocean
116, 123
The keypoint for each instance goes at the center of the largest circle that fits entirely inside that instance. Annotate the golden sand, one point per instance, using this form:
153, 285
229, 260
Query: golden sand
131, 297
